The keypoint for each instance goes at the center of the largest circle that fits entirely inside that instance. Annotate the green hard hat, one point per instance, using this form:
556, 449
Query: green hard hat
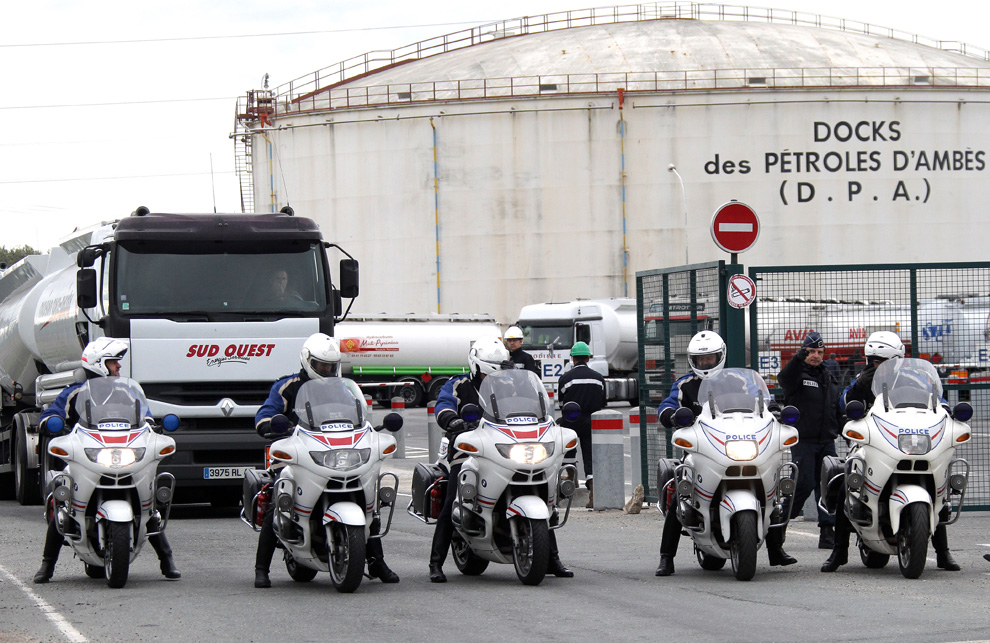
580, 349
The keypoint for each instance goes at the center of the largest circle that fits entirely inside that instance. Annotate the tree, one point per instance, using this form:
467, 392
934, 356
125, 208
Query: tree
13, 255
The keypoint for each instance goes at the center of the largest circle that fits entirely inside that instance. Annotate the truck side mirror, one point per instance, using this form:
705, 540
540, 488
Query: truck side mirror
86, 287
349, 278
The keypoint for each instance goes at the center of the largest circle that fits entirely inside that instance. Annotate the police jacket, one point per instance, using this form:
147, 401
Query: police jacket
282, 399
684, 392
815, 393
586, 386
524, 360
63, 406
456, 393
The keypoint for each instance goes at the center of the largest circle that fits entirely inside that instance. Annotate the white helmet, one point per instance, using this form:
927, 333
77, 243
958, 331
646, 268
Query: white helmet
514, 332
486, 355
706, 342
320, 356
99, 351
884, 344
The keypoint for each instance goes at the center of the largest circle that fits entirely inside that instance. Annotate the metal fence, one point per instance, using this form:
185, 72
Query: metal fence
940, 311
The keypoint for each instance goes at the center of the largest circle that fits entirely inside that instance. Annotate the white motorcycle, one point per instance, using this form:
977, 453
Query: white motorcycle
510, 488
902, 469
110, 498
330, 493
735, 477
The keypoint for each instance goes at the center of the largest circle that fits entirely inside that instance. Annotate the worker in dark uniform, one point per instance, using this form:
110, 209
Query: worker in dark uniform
513, 343
586, 386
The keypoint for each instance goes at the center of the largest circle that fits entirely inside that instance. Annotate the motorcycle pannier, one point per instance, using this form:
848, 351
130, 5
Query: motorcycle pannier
424, 476
832, 470
254, 480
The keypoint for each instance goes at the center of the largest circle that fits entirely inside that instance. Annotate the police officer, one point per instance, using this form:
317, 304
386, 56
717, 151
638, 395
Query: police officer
706, 356
320, 357
586, 386
881, 346
486, 355
513, 343
810, 386
100, 358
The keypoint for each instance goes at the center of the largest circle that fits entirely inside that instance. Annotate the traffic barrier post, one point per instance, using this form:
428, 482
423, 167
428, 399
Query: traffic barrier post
399, 406
607, 455
433, 432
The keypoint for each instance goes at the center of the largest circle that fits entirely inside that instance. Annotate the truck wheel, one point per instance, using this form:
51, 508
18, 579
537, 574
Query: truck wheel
27, 487
411, 394
435, 386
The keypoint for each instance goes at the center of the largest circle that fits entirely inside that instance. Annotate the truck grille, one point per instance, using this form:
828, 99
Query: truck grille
207, 393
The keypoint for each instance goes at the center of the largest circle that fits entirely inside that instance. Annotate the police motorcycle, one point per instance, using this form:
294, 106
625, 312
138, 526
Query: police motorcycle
735, 476
902, 468
330, 492
517, 478
110, 496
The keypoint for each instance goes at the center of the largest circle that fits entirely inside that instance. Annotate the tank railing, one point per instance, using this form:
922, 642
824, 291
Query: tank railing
305, 87
652, 81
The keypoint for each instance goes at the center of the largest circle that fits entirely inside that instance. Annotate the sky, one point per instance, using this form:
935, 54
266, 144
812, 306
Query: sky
110, 105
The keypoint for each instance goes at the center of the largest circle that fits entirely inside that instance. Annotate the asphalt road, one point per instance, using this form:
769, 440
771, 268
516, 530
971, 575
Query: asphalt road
614, 596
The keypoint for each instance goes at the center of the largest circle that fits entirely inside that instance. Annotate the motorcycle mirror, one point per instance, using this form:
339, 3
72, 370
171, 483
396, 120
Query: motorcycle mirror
471, 413
170, 422
962, 412
55, 424
683, 417
571, 411
280, 424
790, 415
855, 410
393, 422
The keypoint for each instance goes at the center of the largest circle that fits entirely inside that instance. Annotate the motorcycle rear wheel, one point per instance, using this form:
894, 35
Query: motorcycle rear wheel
345, 549
118, 553
872, 559
744, 545
531, 550
912, 540
468, 563
708, 562
298, 573
95, 571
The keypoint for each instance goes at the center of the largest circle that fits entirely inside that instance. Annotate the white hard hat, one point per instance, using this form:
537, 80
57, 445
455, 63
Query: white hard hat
320, 356
706, 342
884, 344
514, 332
99, 351
486, 355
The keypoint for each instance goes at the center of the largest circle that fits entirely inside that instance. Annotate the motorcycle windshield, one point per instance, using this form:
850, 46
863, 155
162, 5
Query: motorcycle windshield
513, 393
109, 403
735, 390
909, 383
328, 405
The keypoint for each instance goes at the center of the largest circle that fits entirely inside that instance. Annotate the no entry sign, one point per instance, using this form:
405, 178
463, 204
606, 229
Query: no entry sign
735, 227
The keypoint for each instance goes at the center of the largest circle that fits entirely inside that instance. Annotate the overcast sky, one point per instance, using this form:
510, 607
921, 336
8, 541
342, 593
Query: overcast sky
110, 105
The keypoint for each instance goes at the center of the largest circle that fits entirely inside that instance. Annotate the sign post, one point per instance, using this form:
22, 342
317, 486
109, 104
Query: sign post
735, 229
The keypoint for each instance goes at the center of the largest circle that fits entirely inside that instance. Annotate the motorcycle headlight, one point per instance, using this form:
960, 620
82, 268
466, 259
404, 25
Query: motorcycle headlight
741, 450
341, 459
914, 444
526, 452
114, 458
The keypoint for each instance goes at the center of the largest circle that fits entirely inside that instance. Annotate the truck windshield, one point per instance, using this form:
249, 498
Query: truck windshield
207, 277
538, 337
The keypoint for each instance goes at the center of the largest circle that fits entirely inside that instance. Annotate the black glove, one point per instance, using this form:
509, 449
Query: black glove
774, 408
456, 426
801, 354
667, 417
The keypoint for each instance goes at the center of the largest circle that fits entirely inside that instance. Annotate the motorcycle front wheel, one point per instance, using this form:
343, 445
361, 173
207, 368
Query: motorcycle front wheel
912, 540
531, 549
117, 558
744, 545
345, 549
468, 563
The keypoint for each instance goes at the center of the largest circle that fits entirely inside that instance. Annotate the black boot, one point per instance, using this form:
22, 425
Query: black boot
666, 567
378, 569
261, 579
436, 574
46, 572
557, 568
164, 551
826, 538
838, 557
775, 548
940, 541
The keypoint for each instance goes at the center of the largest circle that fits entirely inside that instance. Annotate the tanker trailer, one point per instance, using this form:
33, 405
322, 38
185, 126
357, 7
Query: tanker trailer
608, 326
409, 356
192, 294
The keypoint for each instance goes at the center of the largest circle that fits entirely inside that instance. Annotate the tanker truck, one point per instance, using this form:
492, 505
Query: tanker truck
608, 326
408, 356
191, 293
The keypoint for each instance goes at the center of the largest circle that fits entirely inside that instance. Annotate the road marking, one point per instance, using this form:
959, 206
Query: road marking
57, 619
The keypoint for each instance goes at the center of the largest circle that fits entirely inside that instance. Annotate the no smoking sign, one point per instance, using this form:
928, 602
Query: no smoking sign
741, 291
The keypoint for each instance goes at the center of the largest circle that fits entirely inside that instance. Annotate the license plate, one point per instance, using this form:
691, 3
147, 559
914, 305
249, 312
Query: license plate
220, 473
